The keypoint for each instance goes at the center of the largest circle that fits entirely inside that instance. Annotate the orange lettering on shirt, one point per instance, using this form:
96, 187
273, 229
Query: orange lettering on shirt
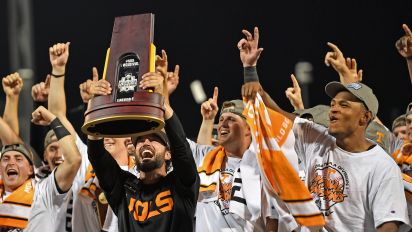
164, 201
144, 210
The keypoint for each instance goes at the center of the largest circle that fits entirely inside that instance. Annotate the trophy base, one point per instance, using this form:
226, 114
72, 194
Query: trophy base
142, 116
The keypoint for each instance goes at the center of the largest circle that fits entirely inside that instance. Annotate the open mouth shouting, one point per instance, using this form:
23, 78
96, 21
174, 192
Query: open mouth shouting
146, 153
11, 172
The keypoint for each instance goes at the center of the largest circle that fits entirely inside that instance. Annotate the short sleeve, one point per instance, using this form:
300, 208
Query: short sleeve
388, 202
309, 137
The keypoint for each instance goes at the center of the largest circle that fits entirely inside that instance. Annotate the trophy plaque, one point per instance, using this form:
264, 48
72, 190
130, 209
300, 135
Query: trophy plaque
128, 110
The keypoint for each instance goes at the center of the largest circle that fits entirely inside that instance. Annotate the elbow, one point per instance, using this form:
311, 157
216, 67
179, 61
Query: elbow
76, 161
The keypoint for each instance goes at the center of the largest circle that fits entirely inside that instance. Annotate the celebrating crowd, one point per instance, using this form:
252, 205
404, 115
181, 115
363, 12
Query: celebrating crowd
320, 168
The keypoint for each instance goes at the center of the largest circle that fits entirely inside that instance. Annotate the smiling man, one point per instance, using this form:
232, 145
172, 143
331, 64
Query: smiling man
159, 199
231, 196
17, 189
354, 183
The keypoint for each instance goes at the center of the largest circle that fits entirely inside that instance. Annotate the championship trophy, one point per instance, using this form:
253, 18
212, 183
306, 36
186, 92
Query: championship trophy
128, 110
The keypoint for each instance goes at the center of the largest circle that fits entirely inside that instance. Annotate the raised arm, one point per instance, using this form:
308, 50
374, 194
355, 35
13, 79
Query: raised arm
404, 47
65, 172
59, 55
208, 109
346, 68
7, 135
12, 85
249, 55
294, 94
182, 158
39, 94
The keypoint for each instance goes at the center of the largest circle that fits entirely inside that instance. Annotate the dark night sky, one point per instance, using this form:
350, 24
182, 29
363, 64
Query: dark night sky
201, 36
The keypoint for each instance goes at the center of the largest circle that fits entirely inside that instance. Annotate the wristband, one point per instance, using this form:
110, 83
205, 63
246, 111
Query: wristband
250, 74
59, 129
408, 57
57, 76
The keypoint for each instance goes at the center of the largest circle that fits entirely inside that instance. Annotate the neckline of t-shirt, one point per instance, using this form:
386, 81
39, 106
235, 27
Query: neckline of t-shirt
359, 154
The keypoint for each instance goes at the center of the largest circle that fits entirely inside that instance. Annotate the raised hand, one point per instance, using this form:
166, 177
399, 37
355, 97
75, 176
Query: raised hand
404, 44
59, 55
162, 63
336, 59
42, 116
249, 51
353, 68
40, 91
86, 90
250, 89
153, 80
346, 68
209, 108
12, 84
173, 80
294, 94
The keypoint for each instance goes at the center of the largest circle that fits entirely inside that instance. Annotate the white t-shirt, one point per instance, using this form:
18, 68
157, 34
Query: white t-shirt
355, 191
45, 213
84, 215
74, 207
215, 215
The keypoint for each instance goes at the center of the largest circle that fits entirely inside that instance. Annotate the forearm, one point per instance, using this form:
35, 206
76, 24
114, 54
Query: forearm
67, 171
105, 167
57, 97
271, 225
182, 158
7, 135
205, 132
37, 132
388, 227
270, 103
10, 114
409, 62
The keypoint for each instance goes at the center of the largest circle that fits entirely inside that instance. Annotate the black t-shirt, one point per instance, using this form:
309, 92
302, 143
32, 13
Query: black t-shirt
168, 205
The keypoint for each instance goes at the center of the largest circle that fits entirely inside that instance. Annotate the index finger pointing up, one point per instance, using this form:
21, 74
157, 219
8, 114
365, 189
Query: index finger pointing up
334, 48
295, 82
215, 94
408, 31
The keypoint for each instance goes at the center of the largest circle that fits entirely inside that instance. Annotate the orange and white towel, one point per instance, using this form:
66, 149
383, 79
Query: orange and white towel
249, 188
273, 140
15, 209
403, 158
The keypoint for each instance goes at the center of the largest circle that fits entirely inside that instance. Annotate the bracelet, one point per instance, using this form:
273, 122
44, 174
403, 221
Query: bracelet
59, 129
408, 57
250, 74
57, 76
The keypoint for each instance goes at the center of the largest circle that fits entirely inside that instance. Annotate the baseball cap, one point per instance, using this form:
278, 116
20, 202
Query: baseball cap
399, 121
379, 134
319, 114
23, 149
234, 106
161, 134
359, 90
49, 138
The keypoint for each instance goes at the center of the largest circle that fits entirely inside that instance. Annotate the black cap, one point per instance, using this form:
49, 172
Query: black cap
161, 134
